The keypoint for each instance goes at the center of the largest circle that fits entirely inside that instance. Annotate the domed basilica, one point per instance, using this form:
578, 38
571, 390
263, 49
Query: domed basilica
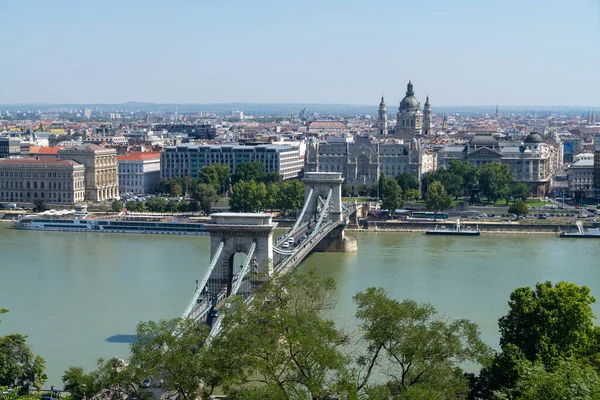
409, 119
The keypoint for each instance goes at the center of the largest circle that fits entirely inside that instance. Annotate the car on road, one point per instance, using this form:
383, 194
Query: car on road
147, 383
214, 313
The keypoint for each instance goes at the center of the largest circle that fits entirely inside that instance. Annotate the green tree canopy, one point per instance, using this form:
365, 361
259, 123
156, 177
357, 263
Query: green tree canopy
205, 195
117, 206
174, 350
391, 194
417, 351
437, 199
216, 175
519, 207
551, 321
284, 348
156, 204
19, 367
250, 171
248, 196
495, 180
569, 380
176, 190
407, 181
520, 190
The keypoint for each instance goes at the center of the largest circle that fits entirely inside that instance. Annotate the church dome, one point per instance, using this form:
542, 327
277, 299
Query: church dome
409, 102
534, 138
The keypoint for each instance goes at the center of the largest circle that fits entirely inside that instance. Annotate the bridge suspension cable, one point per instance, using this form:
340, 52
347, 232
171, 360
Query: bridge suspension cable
202, 283
216, 328
301, 217
324, 211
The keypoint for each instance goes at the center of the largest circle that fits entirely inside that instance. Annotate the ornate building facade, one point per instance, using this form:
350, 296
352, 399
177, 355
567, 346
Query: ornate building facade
363, 161
25, 180
409, 118
101, 176
532, 161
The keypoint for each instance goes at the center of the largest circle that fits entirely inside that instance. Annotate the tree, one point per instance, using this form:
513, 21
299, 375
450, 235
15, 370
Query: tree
410, 194
519, 207
117, 206
552, 321
163, 186
468, 173
205, 195
19, 367
250, 171
407, 182
156, 204
79, 384
292, 196
172, 206
570, 380
216, 175
416, 349
180, 359
282, 342
495, 179
39, 205
176, 190
426, 180
437, 199
520, 191
346, 190
247, 197
135, 206
545, 325
391, 194
273, 196
451, 182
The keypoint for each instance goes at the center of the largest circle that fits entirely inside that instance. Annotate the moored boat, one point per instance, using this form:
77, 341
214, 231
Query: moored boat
582, 232
139, 224
455, 230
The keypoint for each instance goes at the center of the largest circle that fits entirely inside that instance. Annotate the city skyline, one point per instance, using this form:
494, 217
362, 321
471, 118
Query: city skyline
460, 54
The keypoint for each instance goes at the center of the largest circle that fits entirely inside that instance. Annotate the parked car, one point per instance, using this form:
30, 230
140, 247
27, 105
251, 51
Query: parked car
147, 383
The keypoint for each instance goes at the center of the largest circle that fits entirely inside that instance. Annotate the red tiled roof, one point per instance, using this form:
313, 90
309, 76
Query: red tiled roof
33, 161
139, 156
326, 125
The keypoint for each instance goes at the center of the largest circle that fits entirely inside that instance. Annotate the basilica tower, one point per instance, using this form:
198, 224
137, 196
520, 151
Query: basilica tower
427, 119
382, 119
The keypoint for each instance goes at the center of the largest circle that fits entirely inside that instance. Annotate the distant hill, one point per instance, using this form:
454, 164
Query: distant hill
286, 109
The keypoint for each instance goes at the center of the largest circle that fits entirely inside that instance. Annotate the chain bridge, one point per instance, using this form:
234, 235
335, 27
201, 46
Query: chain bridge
244, 251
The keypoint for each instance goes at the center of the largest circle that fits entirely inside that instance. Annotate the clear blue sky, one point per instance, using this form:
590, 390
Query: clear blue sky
479, 52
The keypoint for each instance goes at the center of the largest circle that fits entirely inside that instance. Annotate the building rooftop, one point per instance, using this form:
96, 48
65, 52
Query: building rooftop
140, 156
40, 162
583, 163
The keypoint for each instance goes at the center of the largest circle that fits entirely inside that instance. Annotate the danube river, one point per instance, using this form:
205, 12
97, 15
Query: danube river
79, 296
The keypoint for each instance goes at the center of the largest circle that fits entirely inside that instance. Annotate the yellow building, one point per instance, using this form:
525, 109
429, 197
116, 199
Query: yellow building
52, 181
101, 171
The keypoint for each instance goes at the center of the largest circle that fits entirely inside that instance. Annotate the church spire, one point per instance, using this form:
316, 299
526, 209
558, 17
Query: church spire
382, 104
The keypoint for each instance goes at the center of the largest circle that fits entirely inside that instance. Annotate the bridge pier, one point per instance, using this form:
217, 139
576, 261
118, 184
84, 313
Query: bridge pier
337, 241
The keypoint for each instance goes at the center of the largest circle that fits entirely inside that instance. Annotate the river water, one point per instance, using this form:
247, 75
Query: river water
79, 296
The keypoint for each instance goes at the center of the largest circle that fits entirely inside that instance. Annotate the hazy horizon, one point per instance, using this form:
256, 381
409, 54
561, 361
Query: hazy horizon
462, 54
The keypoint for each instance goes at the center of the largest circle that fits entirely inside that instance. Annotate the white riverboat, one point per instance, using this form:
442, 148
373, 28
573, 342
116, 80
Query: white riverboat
124, 223
456, 230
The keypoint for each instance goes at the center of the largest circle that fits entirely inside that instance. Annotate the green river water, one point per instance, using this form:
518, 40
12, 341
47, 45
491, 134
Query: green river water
79, 296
